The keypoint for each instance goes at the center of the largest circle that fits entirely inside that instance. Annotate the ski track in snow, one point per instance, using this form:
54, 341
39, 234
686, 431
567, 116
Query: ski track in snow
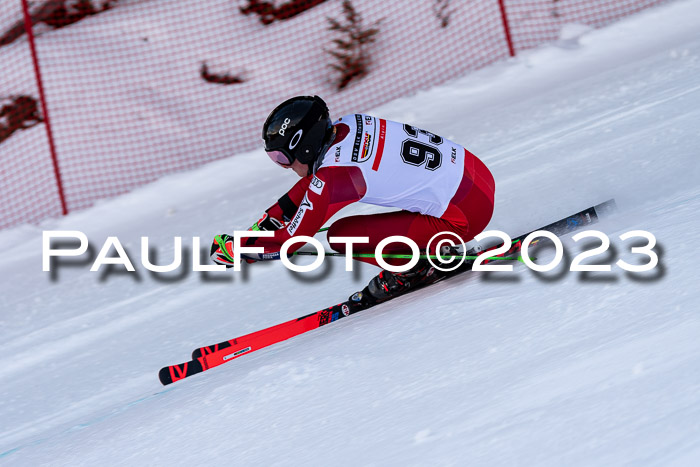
558, 369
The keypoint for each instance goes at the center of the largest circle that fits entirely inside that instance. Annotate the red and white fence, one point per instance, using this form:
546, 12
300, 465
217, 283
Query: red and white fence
130, 90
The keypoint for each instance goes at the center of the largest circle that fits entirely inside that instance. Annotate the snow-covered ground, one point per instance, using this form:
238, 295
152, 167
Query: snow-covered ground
516, 368
127, 103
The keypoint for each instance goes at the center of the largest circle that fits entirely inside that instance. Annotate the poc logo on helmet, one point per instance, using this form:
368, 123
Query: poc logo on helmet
285, 124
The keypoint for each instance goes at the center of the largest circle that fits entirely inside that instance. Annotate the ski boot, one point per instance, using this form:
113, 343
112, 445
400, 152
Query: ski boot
388, 284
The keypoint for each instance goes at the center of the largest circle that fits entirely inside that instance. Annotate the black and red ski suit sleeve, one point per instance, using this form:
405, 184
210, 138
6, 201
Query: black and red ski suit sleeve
309, 204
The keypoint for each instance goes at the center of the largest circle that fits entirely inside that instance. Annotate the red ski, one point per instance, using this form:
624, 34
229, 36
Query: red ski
215, 355
211, 356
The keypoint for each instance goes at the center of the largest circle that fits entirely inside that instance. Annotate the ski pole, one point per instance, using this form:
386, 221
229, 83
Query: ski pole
399, 256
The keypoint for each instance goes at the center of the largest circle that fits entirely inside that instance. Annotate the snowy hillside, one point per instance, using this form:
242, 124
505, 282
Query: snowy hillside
135, 107
513, 368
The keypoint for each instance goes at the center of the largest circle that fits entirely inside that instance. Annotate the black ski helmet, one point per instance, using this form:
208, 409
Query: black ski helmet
299, 128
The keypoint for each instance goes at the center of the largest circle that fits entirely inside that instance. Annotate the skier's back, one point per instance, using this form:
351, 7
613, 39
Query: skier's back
438, 185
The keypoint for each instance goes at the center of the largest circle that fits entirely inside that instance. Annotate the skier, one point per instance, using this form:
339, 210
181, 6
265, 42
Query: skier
438, 185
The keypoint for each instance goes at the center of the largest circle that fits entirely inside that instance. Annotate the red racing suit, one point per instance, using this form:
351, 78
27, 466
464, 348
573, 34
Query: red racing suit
438, 185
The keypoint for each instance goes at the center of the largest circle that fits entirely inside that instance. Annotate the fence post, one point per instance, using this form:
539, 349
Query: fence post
506, 27
44, 107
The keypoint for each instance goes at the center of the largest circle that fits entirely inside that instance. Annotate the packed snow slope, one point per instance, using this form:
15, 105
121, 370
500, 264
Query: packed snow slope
557, 368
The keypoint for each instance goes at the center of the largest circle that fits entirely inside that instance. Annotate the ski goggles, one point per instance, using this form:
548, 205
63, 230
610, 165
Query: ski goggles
280, 158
